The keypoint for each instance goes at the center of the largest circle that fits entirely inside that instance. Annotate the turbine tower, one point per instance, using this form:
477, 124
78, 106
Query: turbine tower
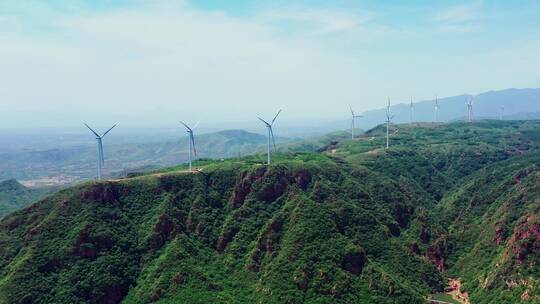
191, 144
271, 140
388, 121
469, 108
101, 158
436, 109
501, 114
411, 107
354, 116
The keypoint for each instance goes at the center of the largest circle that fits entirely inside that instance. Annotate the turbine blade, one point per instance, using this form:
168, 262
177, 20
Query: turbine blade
275, 117
108, 130
189, 129
264, 121
91, 130
197, 124
352, 112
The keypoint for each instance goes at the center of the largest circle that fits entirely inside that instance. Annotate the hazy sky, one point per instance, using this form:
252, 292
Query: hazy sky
154, 62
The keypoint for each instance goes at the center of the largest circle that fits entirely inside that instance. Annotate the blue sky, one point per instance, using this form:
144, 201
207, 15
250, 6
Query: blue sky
154, 62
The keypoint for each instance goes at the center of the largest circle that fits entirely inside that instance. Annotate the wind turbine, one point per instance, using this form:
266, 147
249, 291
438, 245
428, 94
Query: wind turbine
469, 108
501, 114
271, 139
411, 107
354, 116
101, 158
191, 143
388, 121
436, 108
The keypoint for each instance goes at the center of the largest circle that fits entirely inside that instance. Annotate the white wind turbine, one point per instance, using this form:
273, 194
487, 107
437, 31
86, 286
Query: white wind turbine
101, 158
353, 117
271, 140
470, 108
389, 118
436, 109
191, 144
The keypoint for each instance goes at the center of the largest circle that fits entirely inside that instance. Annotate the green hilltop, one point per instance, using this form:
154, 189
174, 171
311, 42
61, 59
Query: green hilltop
14, 196
351, 223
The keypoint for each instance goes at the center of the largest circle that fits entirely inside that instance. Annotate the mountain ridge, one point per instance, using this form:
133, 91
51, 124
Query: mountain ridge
486, 105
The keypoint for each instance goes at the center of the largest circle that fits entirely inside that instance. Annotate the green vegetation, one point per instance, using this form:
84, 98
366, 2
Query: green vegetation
443, 297
14, 196
353, 223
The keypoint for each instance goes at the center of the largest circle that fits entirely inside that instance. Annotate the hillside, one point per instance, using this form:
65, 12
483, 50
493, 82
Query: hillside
14, 196
353, 223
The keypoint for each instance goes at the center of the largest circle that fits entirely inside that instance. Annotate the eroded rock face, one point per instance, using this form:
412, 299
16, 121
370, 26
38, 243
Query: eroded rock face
101, 193
243, 187
225, 239
265, 185
165, 225
164, 229
437, 251
526, 237
274, 184
499, 235
271, 191
87, 246
302, 178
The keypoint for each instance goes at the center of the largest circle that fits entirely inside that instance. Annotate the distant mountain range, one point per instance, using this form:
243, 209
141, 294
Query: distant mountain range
40, 164
511, 103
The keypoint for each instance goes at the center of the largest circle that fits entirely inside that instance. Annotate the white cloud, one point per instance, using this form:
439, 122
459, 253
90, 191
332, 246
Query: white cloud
153, 64
459, 13
161, 63
318, 21
460, 18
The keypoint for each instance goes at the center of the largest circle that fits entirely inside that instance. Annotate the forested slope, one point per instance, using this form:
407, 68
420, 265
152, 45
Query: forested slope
352, 224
